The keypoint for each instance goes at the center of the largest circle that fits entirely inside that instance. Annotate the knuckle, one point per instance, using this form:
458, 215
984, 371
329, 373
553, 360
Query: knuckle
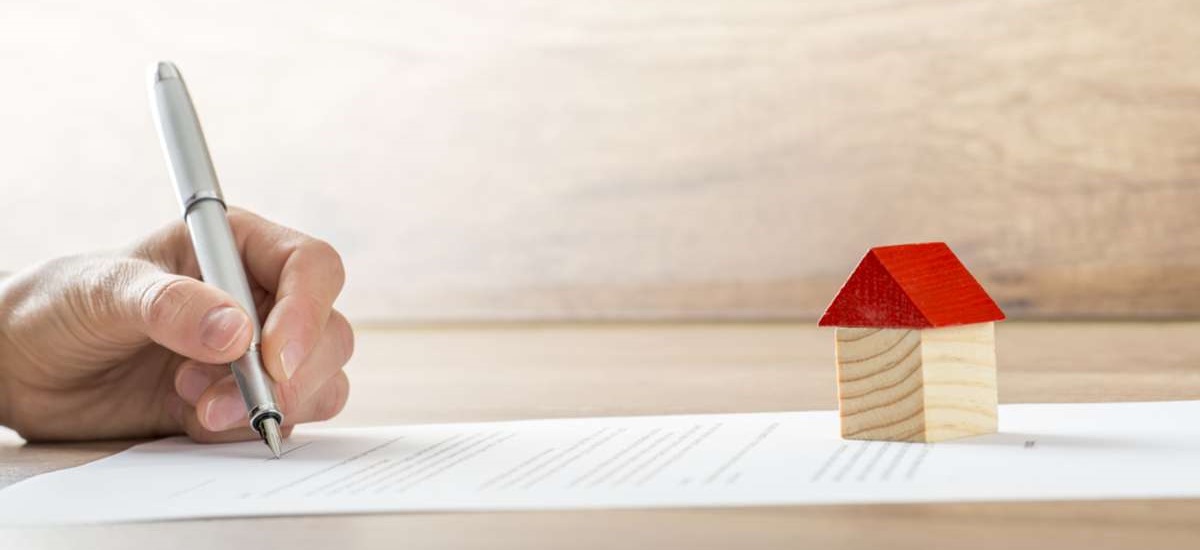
90, 297
344, 336
326, 256
239, 215
96, 285
244, 223
100, 280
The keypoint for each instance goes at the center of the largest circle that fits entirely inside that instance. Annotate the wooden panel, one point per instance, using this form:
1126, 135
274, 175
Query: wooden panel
479, 374
683, 158
916, 385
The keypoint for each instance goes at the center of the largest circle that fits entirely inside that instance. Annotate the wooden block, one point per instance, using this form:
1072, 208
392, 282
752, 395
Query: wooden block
911, 286
920, 385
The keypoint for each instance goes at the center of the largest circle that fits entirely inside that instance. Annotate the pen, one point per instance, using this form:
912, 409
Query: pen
204, 211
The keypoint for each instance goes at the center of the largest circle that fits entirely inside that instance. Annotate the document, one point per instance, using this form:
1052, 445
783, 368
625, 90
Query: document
1058, 451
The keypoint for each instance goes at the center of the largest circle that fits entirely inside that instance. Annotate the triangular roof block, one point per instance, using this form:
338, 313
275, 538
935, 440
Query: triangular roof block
911, 286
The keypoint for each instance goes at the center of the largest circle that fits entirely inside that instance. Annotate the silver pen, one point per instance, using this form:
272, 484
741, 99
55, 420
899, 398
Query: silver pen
212, 238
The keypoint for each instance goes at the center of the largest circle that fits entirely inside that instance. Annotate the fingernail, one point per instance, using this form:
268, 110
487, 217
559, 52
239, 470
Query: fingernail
191, 385
222, 326
225, 412
290, 358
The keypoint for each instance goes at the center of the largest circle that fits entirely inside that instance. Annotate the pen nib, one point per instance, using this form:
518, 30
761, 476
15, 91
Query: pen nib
269, 429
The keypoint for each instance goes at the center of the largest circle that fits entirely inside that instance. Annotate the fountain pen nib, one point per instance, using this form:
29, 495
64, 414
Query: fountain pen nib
269, 429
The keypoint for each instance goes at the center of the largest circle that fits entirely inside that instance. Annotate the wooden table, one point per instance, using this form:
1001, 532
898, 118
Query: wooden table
470, 373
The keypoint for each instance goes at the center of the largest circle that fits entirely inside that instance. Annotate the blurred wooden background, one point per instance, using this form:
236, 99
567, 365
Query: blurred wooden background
542, 159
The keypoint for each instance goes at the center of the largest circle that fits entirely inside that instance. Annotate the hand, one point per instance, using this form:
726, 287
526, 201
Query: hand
133, 345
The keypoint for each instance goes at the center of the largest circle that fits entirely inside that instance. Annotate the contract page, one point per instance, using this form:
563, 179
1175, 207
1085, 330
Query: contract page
1056, 451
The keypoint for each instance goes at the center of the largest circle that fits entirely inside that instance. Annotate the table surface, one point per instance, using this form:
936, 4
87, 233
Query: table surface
473, 373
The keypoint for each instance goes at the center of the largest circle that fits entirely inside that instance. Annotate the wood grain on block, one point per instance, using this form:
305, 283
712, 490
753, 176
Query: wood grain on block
917, 385
959, 367
879, 384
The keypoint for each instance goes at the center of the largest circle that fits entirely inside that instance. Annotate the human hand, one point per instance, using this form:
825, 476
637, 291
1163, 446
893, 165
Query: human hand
133, 345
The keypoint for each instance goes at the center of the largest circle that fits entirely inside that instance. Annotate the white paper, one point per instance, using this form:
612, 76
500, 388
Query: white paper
1062, 451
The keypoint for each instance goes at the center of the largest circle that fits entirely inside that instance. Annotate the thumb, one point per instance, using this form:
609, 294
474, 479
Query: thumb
188, 317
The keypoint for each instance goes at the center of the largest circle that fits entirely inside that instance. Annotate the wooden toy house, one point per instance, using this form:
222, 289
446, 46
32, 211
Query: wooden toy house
915, 343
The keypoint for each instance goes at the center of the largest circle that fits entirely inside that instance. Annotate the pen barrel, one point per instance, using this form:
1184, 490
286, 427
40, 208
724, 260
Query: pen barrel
182, 139
221, 266
256, 389
212, 238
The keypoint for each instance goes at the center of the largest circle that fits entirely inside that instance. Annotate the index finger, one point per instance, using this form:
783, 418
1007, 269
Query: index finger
304, 273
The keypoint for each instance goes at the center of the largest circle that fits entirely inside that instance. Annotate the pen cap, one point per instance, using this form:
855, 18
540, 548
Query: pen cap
181, 137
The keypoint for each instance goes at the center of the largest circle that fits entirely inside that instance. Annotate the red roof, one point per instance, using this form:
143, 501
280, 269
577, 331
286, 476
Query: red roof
911, 286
